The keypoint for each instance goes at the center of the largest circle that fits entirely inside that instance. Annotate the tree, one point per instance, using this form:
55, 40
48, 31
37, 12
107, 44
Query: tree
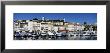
86, 26
35, 19
85, 23
94, 28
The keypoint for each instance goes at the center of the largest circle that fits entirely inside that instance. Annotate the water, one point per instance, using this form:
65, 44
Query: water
47, 37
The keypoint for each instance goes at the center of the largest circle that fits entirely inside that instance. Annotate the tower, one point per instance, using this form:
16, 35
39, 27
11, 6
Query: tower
64, 19
42, 18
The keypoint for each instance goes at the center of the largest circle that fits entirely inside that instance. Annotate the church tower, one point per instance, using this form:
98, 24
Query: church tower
42, 18
64, 19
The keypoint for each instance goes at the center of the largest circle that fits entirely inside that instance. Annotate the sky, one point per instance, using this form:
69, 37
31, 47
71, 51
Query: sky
90, 18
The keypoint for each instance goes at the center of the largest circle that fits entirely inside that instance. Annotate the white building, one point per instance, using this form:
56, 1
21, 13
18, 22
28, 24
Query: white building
46, 25
30, 26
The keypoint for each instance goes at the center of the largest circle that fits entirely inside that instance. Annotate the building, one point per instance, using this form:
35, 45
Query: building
46, 25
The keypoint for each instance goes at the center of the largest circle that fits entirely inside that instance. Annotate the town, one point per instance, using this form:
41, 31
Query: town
47, 29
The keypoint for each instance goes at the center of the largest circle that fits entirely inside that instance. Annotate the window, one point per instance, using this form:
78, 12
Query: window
42, 28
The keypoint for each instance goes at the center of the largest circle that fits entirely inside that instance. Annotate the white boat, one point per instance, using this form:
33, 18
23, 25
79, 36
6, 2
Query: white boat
50, 33
59, 34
